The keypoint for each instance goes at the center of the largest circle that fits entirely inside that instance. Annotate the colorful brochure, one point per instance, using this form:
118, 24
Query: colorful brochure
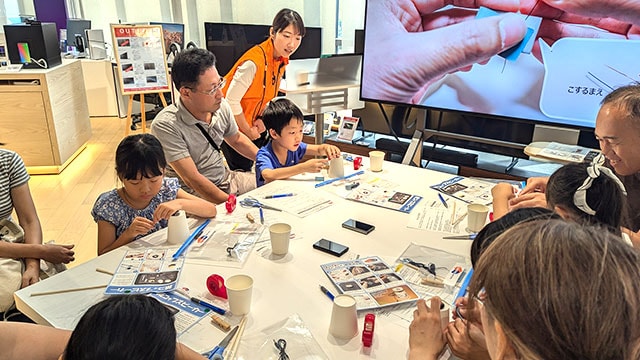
371, 281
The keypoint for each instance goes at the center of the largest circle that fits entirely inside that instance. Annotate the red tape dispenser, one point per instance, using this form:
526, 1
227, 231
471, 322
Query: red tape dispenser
215, 284
230, 204
367, 332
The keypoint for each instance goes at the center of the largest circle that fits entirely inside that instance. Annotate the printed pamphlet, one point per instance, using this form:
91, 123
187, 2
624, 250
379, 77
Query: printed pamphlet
466, 189
146, 271
370, 281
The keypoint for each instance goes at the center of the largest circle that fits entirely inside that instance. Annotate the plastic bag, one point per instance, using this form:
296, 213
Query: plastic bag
301, 345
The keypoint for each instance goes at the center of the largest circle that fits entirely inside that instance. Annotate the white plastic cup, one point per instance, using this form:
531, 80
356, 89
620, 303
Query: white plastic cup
239, 288
178, 228
344, 317
280, 234
336, 167
444, 315
376, 159
476, 217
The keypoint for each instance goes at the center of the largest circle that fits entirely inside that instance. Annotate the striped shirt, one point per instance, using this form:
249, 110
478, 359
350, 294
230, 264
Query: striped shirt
12, 174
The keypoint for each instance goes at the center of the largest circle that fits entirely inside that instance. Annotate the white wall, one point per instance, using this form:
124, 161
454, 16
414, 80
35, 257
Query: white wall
194, 13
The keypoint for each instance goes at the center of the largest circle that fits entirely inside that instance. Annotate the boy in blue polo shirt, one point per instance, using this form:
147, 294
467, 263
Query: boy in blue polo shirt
280, 157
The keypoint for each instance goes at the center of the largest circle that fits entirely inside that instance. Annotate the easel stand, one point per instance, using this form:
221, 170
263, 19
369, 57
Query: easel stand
143, 114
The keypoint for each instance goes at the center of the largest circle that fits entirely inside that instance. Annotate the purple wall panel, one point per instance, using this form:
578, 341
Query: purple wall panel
51, 11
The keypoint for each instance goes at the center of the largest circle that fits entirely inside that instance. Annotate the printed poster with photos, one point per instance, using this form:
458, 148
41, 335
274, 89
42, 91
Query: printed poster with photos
146, 271
467, 190
380, 192
370, 281
139, 52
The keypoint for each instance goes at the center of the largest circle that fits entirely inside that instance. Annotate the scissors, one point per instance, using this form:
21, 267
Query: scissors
216, 353
253, 202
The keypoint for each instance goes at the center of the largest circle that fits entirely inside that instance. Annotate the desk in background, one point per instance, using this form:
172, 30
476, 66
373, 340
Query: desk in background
282, 286
44, 115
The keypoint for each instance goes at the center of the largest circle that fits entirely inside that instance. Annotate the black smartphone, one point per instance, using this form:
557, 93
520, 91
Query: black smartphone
331, 247
358, 226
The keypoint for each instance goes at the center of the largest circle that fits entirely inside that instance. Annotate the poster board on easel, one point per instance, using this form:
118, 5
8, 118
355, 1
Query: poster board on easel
142, 65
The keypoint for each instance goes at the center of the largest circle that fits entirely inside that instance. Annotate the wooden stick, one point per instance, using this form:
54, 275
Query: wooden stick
67, 290
225, 326
236, 340
104, 271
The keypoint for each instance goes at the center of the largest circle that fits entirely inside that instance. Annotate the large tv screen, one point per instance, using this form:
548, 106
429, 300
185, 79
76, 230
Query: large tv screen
229, 41
549, 80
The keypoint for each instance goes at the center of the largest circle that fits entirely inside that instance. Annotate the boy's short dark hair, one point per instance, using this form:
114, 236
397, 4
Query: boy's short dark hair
279, 113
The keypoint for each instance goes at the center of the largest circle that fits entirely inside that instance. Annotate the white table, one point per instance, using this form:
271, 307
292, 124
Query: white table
282, 286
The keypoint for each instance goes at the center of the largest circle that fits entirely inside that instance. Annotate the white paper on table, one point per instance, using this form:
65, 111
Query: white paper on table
431, 215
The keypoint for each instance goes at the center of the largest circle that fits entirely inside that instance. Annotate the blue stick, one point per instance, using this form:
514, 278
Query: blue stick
465, 284
327, 182
190, 239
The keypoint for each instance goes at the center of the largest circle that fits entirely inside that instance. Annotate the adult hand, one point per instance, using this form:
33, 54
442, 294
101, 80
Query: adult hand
426, 339
166, 209
58, 254
413, 43
259, 124
620, 19
30, 276
314, 165
463, 344
140, 226
253, 133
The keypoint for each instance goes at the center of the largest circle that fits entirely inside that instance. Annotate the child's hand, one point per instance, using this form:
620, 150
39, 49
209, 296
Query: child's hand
426, 339
166, 209
331, 151
314, 165
503, 191
140, 226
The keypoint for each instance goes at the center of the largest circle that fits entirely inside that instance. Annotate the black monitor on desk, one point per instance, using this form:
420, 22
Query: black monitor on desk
30, 44
76, 35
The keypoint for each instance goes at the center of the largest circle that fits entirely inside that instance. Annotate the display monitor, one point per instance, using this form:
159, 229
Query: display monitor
229, 41
358, 43
173, 34
76, 36
34, 45
560, 84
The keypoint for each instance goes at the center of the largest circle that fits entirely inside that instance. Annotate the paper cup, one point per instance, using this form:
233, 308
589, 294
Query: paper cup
280, 234
178, 228
344, 317
444, 315
476, 217
376, 159
239, 289
336, 168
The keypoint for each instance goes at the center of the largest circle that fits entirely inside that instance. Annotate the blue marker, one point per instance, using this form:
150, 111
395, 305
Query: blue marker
326, 292
443, 201
275, 196
261, 216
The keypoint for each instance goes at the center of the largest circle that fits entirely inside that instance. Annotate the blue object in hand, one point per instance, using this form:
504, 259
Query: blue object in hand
216, 353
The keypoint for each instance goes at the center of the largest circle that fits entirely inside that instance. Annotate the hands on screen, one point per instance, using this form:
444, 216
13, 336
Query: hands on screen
416, 43
609, 19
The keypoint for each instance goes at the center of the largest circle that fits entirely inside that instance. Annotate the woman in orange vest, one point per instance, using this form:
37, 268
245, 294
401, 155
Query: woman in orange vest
255, 79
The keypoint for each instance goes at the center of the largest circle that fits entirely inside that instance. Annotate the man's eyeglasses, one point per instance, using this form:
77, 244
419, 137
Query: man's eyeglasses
220, 85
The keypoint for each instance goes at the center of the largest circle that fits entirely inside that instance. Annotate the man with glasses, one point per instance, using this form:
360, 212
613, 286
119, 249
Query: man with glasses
192, 129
